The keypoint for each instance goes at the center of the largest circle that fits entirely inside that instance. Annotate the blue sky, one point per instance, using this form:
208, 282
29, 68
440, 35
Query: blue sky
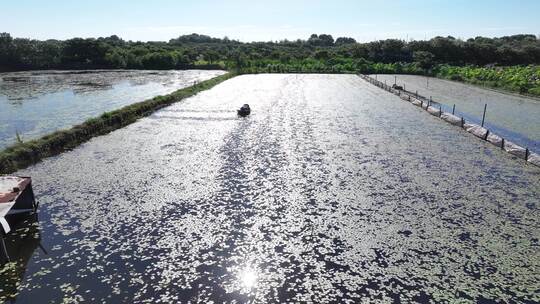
268, 20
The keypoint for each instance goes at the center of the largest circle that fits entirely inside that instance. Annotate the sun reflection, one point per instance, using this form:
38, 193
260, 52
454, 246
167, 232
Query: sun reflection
248, 277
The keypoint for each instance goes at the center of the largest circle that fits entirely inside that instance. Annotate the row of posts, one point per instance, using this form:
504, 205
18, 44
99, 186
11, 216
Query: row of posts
380, 84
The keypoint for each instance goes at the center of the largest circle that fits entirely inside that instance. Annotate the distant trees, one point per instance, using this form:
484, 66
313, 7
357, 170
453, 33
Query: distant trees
424, 59
211, 56
195, 49
345, 40
80, 52
160, 60
194, 38
321, 40
6, 49
321, 55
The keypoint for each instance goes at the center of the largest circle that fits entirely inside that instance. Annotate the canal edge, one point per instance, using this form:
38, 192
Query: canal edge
478, 131
24, 154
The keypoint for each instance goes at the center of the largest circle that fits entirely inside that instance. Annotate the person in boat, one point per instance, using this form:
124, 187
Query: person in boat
244, 110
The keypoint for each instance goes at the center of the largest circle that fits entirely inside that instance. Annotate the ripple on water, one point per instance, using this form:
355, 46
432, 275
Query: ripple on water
332, 190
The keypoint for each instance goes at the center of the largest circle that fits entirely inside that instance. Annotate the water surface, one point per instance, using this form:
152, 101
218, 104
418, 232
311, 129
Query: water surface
333, 190
514, 117
36, 103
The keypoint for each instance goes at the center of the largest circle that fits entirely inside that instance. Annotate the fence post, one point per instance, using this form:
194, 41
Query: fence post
453, 109
502, 144
395, 79
462, 121
440, 110
526, 153
484, 115
4, 249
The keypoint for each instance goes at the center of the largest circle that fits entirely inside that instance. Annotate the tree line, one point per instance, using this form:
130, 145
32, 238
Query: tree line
321, 51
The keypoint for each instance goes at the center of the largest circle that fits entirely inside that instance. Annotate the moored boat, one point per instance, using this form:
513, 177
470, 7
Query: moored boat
16, 198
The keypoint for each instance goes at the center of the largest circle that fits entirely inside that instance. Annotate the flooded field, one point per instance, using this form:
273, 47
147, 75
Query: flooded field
331, 191
36, 103
514, 117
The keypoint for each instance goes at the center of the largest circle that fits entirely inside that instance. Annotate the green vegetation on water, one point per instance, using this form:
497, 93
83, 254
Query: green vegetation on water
24, 154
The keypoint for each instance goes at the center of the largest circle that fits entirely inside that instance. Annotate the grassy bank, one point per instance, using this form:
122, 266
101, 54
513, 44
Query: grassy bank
327, 65
518, 79
22, 155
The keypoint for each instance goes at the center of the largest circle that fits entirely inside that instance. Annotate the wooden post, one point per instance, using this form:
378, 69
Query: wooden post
453, 109
526, 153
484, 115
462, 121
395, 79
440, 110
502, 144
4, 249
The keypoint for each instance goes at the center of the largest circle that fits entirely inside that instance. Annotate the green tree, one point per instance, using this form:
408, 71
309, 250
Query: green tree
345, 40
321, 55
424, 59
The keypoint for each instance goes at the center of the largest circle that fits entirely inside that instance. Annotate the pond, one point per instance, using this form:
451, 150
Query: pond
332, 190
36, 103
514, 117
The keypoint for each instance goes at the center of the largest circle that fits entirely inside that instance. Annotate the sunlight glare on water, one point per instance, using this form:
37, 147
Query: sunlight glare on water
332, 190
248, 277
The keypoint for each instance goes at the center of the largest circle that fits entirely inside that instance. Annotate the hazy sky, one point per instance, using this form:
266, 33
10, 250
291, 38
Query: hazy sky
268, 20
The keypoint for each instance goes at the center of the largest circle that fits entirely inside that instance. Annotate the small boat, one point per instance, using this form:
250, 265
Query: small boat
397, 87
16, 199
244, 110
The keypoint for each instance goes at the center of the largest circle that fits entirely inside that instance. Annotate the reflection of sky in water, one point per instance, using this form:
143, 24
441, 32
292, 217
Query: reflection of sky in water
332, 190
514, 117
35, 105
